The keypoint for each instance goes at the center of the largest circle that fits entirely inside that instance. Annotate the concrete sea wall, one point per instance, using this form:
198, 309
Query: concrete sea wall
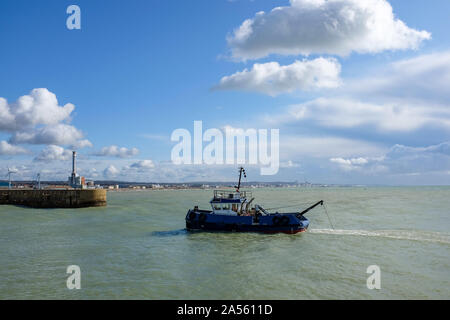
53, 198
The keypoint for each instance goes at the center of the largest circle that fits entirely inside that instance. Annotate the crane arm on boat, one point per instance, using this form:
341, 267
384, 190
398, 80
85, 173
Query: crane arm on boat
310, 208
241, 171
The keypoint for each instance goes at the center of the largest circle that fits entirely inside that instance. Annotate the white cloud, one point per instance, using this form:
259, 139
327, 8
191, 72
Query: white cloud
400, 151
53, 152
9, 149
401, 159
272, 79
115, 151
354, 161
40, 107
350, 164
424, 78
405, 96
92, 173
59, 134
81, 144
324, 26
289, 164
18, 171
111, 172
350, 113
143, 164
325, 146
37, 118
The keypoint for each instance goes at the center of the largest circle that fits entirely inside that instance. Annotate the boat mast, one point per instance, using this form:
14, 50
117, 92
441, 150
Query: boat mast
241, 171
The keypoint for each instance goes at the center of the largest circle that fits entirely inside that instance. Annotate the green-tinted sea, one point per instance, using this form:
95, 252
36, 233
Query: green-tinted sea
137, 248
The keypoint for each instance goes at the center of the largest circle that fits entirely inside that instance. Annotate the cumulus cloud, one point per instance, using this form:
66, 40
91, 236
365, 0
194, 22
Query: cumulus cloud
10, 150
40, 107
81, 144
115, 151
92, 173
111, 172
350, 164
53, 152
19, 171
324, 26
59, 134
272, 79
37, 118
357, 161
143, 164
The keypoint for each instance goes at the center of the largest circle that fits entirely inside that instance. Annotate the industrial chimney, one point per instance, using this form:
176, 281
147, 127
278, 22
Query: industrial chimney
75, 181
74, 168
74, 164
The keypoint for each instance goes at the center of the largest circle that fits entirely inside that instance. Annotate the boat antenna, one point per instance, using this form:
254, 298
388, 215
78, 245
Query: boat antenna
241, 171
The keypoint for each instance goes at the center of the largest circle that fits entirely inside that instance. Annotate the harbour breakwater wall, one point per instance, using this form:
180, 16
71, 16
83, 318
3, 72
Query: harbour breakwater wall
54, 198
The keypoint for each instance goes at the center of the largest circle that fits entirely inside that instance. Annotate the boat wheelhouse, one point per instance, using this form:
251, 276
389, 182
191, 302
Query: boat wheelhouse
229, 202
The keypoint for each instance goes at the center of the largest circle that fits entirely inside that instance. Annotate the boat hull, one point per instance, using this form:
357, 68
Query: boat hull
274, 223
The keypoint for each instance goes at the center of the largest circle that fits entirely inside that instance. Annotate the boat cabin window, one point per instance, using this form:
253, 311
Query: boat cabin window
226, 194
226, 207
217, 206
234, 207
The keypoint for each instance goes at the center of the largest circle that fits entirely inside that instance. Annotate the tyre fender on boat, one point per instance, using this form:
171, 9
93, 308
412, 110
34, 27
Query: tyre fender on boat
284, 221
202, 218
276, 220
192, 216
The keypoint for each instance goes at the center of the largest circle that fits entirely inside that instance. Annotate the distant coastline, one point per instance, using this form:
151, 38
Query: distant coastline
142, 186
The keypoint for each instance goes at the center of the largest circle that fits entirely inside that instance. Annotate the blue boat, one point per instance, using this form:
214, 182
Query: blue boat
232, 210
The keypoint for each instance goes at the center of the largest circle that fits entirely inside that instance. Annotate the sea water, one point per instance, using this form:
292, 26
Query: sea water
137, 248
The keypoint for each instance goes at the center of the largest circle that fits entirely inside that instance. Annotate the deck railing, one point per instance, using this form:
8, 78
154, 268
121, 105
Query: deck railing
228, 194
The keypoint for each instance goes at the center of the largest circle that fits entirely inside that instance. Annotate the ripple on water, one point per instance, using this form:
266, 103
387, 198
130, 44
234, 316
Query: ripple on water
137, 248
413, 235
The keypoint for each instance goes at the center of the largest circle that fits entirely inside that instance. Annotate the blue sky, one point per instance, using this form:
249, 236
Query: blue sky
138, 70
